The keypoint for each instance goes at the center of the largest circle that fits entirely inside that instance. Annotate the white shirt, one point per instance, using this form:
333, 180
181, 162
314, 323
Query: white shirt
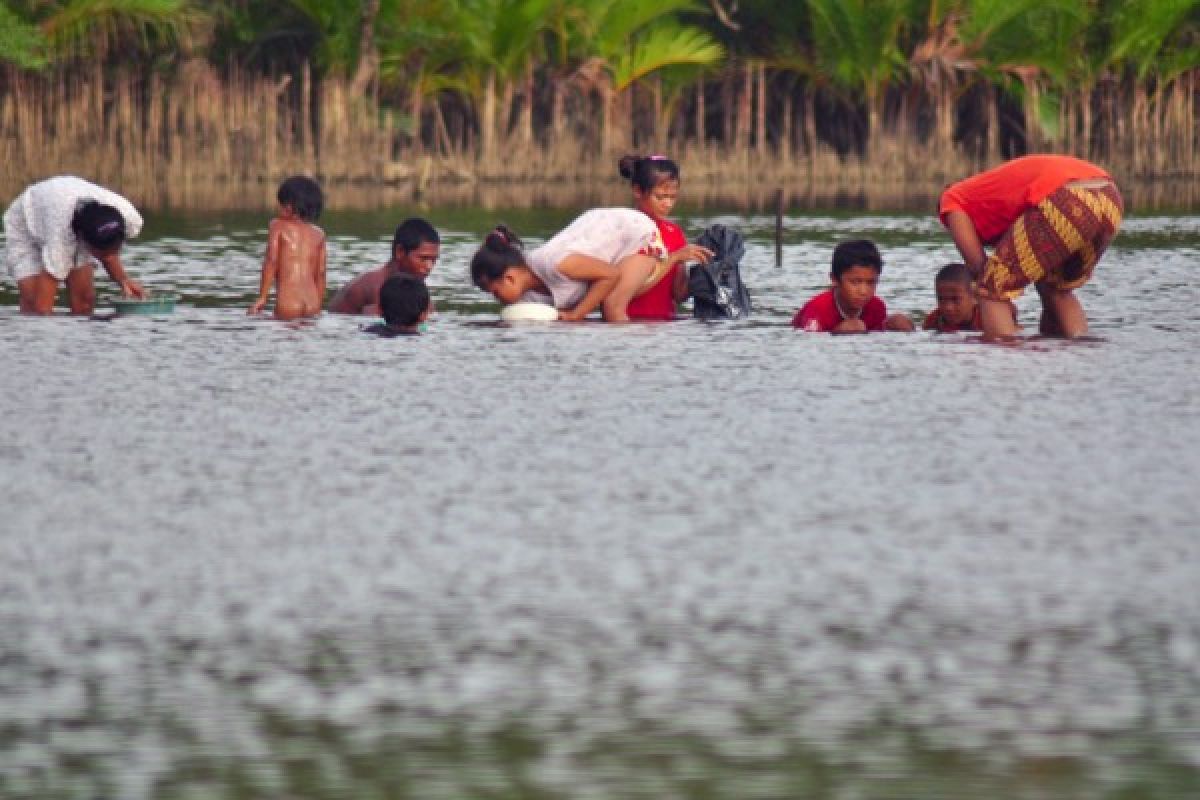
607, 234
40, 219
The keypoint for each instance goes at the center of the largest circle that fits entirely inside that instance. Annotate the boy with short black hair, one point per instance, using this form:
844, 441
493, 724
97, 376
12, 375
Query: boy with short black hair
957, 308
404, 304
850, 305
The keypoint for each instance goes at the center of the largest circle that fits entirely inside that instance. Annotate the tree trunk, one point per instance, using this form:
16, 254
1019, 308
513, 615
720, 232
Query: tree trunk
660, 122
527, 110
785, 133
741, 136
368, 58
417, 102
701, 135
487, 119
760, 123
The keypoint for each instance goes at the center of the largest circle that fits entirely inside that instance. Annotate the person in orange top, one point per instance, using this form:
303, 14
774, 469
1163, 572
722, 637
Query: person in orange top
1049, 218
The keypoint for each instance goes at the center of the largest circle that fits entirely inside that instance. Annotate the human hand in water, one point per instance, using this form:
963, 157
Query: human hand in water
256, 307
131, 288
851, 326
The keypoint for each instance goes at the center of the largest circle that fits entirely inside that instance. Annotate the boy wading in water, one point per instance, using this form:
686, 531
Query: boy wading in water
1050, 218
295, 257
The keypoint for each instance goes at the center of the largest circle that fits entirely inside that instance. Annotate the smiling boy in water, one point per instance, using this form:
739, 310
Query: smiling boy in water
850, 305
295, 253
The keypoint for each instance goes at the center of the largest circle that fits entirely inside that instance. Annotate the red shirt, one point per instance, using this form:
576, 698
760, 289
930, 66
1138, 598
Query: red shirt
995, 198
658, 302
821, 314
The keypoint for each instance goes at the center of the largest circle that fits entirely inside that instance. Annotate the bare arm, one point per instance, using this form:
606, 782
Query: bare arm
270, 268
601, 277
966, 239
690, 252
116, 270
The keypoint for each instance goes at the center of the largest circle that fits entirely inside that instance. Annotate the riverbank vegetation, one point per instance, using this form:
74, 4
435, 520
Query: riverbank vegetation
831, 93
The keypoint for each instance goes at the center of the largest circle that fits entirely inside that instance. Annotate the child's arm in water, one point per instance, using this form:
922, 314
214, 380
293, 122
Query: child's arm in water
270, 267
601, 277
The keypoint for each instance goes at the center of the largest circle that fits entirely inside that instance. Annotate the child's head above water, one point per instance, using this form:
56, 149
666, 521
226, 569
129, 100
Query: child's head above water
303, 196
953, 286
855, 273
655, 182
404, 300
499, 266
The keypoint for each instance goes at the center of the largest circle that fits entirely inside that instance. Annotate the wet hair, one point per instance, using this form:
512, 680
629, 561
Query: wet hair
857, 253
403, 298
954, 273
412, 233
646, 172
501, 250
99, 226
304, 196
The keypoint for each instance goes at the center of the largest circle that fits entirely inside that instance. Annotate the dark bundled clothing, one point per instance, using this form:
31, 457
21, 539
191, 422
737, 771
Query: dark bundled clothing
716, 287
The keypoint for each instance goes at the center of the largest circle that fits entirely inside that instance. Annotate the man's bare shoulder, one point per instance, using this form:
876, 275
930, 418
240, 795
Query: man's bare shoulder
359, 292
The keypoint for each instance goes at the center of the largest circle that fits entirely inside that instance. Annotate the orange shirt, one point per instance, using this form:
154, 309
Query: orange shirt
995, 198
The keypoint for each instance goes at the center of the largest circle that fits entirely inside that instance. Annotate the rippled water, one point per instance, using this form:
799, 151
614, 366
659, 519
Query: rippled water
244, 558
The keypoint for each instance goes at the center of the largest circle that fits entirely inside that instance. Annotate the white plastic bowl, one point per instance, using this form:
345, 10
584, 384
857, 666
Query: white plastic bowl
529, 312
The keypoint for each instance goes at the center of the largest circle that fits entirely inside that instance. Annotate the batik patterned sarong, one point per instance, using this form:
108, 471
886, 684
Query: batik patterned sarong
1056, 243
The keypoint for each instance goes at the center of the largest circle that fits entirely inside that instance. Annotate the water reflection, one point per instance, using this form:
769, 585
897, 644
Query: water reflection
250, 559
755, 196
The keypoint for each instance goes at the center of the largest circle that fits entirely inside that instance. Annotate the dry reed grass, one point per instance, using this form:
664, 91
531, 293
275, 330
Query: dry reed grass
203, 140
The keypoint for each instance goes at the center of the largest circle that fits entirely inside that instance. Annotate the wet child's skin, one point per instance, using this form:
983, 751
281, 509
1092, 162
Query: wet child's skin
295, 260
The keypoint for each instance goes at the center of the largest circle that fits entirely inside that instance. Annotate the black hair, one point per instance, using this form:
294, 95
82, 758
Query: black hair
501, 250
304, 195
857, 253
412, 233
955, 273
646, 172
99, 226
403, 298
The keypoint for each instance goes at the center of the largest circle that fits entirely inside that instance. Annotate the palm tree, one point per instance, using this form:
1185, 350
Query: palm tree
22, 43
1157, 39
98, 28
624, 41
859, 46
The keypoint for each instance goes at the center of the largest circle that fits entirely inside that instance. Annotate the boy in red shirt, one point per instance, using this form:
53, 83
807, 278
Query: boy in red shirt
851, 306
1049, 218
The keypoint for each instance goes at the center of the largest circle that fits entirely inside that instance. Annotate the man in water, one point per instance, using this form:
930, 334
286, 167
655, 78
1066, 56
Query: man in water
415, 250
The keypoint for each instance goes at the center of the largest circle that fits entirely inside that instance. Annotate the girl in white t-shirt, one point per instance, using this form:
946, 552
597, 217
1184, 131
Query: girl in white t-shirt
603, 259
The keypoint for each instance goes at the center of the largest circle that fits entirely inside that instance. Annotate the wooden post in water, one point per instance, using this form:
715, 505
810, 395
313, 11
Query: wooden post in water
779, 227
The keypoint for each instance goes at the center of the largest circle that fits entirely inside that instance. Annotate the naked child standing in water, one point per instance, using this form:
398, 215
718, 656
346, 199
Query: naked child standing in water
295, 259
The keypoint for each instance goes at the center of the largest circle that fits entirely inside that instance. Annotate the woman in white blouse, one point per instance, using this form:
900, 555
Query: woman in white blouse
56, 231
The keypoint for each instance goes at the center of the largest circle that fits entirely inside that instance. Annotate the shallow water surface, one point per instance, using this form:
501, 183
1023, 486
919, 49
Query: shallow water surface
244, 558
